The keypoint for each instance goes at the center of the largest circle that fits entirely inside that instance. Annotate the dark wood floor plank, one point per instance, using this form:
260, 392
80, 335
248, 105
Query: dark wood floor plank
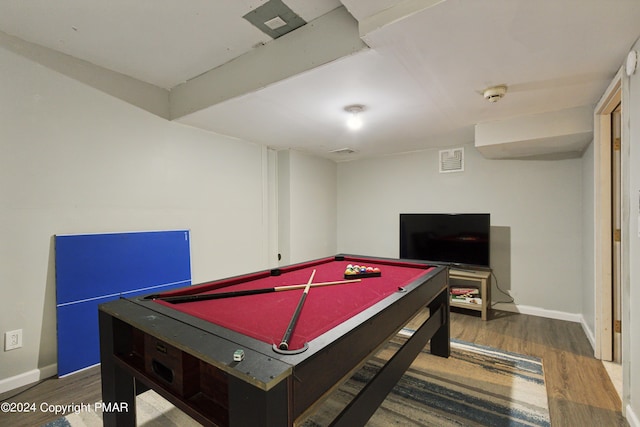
83, 387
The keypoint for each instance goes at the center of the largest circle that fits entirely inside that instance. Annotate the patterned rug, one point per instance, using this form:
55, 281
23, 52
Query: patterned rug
476, 386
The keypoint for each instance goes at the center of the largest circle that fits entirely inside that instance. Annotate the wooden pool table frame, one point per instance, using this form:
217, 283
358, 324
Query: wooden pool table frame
189, 361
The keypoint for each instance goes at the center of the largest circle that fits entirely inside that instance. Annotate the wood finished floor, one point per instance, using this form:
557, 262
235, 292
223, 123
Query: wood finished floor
579, 390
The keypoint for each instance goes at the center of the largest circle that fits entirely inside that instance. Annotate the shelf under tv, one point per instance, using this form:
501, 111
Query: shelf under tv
476, 279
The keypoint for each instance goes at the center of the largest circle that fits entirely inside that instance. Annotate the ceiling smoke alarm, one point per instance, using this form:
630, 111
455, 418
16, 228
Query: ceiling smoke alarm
494, 94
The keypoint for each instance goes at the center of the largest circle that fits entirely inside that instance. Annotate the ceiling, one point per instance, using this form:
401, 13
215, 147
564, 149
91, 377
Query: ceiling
418, 66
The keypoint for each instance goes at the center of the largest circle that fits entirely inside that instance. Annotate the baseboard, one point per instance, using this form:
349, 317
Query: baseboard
540, 312
631, 417
588, 332
27, 378
79, 370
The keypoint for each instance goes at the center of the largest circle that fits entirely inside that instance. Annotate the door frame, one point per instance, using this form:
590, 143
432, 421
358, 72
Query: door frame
603, 218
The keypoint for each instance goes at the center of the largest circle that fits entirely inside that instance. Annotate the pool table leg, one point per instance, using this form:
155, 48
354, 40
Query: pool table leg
441, 340
250, 406
362, 407
118, 386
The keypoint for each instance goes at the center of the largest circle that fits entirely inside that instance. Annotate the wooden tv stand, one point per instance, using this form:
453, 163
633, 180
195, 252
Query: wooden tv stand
474, 279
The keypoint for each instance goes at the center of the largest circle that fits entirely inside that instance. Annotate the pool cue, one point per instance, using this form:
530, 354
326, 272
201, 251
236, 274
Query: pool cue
203, 297
284, 343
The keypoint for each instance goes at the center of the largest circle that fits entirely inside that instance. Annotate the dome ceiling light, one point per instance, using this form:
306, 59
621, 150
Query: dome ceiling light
354, 122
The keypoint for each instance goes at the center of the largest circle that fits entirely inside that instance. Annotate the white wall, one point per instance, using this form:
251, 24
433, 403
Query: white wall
74, 160
535, 209
307, 207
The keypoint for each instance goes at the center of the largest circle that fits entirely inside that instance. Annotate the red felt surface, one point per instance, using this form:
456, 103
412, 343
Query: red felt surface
266, 316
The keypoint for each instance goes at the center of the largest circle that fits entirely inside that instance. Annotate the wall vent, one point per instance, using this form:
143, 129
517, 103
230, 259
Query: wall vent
451, 160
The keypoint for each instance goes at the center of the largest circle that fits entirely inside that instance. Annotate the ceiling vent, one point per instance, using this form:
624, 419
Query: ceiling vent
274, 18
343, 151
275, 23
451, 160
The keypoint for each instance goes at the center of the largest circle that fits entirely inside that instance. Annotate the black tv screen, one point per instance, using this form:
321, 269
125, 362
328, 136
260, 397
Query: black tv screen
461, 238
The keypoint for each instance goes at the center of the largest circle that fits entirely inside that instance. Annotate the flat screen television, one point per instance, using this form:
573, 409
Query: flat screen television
449, 238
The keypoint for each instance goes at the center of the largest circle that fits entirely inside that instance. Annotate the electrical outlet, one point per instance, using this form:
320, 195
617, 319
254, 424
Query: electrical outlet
12, 339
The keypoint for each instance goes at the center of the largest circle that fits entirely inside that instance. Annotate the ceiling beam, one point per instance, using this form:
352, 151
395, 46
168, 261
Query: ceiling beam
326, 39
393, 15
556, 134
141, 94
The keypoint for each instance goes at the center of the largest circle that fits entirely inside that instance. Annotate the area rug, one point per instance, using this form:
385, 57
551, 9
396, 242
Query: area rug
476, 386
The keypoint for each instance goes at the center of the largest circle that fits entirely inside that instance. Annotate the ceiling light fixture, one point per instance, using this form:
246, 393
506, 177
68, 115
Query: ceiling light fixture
354, 122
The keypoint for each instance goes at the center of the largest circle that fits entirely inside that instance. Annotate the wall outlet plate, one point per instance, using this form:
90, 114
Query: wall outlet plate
12, 339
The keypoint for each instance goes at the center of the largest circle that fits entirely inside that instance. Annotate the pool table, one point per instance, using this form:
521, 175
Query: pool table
219, 360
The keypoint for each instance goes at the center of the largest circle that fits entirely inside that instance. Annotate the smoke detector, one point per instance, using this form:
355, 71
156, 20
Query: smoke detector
494, 94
